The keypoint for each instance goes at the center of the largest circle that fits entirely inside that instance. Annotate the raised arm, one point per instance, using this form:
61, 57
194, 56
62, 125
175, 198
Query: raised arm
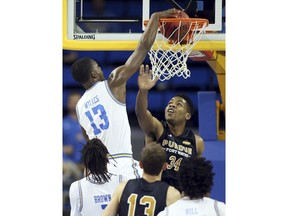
120, 75
151, 126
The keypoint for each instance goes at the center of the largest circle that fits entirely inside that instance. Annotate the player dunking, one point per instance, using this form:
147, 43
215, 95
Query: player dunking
101, 110
178, 140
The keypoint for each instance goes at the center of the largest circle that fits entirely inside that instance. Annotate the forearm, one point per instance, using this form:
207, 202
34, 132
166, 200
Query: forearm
141, 107
151, 126
151, 30
145, 43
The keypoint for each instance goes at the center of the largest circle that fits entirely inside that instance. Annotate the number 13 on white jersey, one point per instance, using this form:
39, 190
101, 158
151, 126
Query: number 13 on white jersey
98, 112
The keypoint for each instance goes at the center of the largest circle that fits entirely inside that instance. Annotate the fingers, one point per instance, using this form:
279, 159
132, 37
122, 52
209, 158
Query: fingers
147, 69
174, 12
141, 71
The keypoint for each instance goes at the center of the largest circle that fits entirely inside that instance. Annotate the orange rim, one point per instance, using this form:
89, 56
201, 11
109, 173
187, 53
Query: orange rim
200, 22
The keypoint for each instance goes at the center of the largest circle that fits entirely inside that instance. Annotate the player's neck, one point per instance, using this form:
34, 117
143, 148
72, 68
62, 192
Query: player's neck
177, 130
89, 84
150, 178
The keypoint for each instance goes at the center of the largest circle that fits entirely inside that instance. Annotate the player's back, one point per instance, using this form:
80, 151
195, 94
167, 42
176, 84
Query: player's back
89, 198
101, 115
186, 206
140, 197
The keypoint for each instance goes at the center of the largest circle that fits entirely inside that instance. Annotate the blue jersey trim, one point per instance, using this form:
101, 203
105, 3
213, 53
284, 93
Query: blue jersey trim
92, 86
111, 95
135, 170
120, 155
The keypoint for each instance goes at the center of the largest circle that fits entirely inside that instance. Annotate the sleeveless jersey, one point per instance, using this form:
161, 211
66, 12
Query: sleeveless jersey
104, 117
186, 206
176, 149
87, 198
140, 198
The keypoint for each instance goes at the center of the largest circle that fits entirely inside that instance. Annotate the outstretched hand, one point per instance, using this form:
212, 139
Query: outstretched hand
170, 13
145, 78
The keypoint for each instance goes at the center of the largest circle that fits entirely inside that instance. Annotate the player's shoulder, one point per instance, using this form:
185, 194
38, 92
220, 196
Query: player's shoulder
76, 183
172, 195
173, 191
120, 188
198, 138
214, 201
74, 188
220, 207
220, 204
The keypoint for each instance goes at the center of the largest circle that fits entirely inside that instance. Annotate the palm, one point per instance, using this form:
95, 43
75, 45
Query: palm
145, 81
145, 78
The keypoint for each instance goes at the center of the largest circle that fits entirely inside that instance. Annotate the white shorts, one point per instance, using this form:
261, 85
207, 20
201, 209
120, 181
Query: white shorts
125, 166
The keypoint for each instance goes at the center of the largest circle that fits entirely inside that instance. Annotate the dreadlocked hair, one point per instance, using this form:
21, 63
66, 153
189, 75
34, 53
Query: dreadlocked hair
95, 158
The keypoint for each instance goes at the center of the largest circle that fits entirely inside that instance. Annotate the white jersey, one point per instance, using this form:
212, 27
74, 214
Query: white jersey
203, 207
87, 198
104, 117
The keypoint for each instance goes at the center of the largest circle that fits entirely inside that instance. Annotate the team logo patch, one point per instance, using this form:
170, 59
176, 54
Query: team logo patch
186, 142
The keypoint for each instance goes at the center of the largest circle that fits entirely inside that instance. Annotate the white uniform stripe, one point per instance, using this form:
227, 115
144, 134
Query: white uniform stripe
80, 196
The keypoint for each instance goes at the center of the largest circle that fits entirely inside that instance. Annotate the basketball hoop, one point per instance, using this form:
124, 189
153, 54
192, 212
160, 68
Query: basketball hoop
169, 54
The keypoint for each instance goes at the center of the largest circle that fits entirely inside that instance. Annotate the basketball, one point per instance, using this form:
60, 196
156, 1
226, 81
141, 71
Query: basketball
169, 30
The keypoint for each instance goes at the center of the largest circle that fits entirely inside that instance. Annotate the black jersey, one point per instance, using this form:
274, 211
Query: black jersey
177, 148
140, 198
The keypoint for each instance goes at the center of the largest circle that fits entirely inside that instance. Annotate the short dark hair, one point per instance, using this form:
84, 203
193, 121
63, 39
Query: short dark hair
195, 176
81, 69
191, 108
153, 157
95, 158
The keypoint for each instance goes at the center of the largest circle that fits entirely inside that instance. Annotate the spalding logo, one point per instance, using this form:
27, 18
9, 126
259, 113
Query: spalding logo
84, 37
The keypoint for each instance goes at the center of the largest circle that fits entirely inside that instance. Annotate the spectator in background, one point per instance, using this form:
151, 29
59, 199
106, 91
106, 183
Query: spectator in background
90, 195
196, 178
99, 10
147, 195
72, 143
69, 57
72, 134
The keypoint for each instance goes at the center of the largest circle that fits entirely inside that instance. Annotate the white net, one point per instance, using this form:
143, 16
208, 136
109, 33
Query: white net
169, 55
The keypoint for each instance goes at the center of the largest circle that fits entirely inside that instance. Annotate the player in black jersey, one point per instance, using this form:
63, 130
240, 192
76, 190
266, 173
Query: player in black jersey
176, 138
147, 195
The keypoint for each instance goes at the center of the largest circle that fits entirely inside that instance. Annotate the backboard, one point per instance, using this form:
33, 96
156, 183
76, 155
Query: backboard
94, 24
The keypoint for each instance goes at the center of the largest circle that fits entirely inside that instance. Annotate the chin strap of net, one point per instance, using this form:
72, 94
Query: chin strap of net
168, 57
